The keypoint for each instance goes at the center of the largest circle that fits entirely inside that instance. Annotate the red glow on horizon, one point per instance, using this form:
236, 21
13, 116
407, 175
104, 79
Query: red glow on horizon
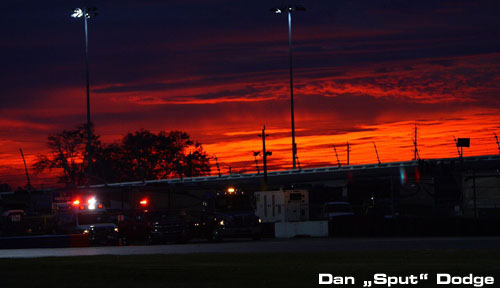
357, 104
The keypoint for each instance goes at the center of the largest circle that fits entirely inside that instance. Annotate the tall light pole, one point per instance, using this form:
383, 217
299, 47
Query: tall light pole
86, 13
289, 9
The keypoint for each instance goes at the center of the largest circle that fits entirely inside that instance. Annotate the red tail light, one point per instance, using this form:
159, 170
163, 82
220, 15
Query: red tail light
143, 202
76, 202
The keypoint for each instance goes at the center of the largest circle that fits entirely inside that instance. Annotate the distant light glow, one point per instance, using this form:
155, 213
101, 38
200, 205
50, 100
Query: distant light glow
76, 202
230, 190
402, 175
77, 13
417, 174
278, 11
144, 202
92, 202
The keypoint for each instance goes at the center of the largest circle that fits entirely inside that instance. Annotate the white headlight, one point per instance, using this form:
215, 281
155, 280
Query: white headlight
92, 201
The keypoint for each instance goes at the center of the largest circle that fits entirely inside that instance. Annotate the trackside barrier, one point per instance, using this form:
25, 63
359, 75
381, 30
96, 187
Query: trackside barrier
44, 241
296, 172
79, 240
303, 228
412, 227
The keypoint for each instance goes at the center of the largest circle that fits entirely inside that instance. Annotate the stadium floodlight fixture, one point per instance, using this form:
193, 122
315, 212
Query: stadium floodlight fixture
289, 8
77, 13
88, 12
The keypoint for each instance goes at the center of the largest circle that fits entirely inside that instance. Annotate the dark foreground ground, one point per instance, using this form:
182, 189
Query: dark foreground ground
292, 269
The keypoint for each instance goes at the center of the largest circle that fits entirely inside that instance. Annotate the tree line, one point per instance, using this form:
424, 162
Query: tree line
142, 155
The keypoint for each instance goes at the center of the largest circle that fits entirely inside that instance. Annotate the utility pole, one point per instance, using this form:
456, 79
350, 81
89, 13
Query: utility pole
298, 162
26, 170
264, 152
376, 151
498, 144
348, 150
255, 154
458, 150
217, 164
336, 155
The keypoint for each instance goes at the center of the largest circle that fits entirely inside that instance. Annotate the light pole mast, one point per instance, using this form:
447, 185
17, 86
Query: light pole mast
294, 146
86, 13
87, 82
290, 9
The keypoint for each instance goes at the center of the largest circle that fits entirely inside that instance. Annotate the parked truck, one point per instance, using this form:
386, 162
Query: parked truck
227, 214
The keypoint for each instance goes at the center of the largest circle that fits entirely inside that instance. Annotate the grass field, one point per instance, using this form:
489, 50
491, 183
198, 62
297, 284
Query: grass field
242, 270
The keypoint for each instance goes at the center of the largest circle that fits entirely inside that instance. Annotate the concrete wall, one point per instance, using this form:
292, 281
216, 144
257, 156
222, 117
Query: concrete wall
304, 228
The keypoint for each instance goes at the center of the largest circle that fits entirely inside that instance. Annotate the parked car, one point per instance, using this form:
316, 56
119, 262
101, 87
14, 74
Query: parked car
169, 226
227, 215
337, 209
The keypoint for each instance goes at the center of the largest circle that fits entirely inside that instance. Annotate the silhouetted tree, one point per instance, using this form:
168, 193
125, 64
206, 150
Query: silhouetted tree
68, 152
196, 162
110, 164
142, 155
158, 156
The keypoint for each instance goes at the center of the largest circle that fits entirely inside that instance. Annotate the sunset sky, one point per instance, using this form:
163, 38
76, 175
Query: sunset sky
365, 71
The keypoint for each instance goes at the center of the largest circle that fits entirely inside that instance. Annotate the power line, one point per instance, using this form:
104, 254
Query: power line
255, 154
348, 151
376, 152
26, 169
498, 144
336, 155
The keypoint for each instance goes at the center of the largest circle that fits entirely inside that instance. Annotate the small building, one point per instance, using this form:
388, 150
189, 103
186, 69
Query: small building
282, 205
